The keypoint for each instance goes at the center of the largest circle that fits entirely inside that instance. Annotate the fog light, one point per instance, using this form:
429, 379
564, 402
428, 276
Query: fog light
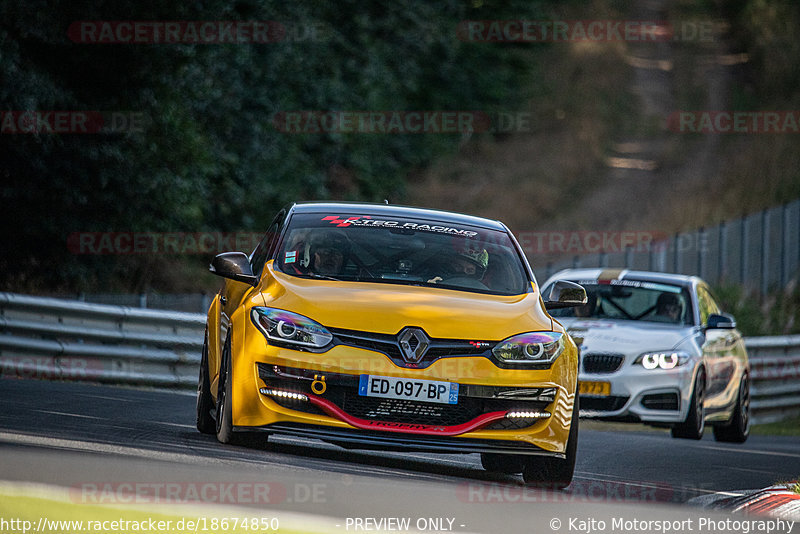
283, 394
528, 415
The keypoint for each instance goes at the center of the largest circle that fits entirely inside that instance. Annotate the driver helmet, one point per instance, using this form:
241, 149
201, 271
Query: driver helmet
322, 240
476, 255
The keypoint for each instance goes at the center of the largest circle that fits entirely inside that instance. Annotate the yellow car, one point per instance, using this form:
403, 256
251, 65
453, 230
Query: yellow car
393, 328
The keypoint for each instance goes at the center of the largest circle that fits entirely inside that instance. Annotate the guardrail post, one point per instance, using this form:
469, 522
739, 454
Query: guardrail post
784, 245
764, 253
722, 253
745, 238
700, 244
676, 267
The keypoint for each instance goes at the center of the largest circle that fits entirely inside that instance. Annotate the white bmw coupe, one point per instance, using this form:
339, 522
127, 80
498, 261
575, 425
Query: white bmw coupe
656, 348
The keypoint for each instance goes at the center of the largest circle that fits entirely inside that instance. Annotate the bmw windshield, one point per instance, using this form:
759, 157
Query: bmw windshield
632, 300
398, 250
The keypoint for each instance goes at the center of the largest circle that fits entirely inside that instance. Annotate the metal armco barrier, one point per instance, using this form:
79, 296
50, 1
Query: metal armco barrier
775, 373
57, 339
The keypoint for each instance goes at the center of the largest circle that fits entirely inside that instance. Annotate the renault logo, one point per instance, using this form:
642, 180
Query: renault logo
414, 344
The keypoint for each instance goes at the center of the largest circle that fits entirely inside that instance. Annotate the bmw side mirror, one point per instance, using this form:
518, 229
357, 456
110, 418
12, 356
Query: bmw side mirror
722, 320
564, 294
234, 266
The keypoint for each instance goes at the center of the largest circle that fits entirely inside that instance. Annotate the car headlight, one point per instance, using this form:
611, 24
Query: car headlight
662, 360
290, 328
530, 348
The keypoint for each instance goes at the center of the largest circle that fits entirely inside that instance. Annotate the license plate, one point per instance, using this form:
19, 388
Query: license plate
600, 389
409, 389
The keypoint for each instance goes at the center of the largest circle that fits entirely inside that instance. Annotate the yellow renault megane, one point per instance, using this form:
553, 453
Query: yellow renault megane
393, 328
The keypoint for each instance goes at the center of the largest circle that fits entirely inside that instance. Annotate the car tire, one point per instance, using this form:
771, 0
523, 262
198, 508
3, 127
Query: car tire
224, 418
694, 425
508, 464
205, 403
555, 473
738, 428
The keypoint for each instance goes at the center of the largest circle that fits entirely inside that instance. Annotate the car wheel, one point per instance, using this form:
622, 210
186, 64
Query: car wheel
224, 426
501, 463
694, 425
738, 428
205, 403
555, 473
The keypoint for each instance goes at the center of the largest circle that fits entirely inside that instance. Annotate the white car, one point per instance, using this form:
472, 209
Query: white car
657, 349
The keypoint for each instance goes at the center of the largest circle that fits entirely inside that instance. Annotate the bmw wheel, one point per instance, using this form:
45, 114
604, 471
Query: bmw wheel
738, 428
694, 425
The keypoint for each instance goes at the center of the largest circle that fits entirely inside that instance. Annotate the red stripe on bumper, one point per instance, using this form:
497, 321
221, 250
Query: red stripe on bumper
407, 428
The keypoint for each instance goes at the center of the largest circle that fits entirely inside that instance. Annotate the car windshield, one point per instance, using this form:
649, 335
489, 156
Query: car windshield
632, 300
397, 250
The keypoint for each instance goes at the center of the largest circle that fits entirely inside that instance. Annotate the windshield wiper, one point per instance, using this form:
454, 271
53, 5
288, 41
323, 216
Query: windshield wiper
323, 277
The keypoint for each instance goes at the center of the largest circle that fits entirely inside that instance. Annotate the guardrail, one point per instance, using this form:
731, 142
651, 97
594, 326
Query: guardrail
775, 373
57, 339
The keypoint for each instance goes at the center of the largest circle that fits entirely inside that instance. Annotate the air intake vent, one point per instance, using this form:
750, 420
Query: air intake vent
601, 363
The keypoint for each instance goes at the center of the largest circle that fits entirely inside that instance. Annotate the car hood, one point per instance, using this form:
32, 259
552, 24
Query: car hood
388, 308
625, 337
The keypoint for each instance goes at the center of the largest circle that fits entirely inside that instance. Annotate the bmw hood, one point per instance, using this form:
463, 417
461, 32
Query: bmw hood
388, 308
625, 337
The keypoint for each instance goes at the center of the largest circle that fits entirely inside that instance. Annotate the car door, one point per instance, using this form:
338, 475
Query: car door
733, 360
717, 351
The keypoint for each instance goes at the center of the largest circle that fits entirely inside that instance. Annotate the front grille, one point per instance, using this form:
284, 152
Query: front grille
473, 401
384, 343
297, 405
599, 363
515, 423
661, 401
388, 345
406, 411
603, 404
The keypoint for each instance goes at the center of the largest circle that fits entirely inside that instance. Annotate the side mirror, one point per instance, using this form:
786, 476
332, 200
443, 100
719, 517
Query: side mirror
564, 294
234, 266
723, 320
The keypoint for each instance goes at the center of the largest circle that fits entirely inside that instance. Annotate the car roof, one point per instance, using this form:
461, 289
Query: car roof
391, 210
626, 274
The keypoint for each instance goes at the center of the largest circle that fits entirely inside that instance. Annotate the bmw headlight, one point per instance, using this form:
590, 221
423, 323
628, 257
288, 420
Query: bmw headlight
530, 348
662, 360
290, 328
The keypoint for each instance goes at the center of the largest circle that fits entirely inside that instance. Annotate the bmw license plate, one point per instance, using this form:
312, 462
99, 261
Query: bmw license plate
599, 389
409, 389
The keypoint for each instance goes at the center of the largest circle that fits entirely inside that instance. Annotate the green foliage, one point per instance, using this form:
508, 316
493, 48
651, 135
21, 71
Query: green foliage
209, 157
778, 313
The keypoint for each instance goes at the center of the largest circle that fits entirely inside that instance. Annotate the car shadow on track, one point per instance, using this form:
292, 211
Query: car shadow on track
328, 457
